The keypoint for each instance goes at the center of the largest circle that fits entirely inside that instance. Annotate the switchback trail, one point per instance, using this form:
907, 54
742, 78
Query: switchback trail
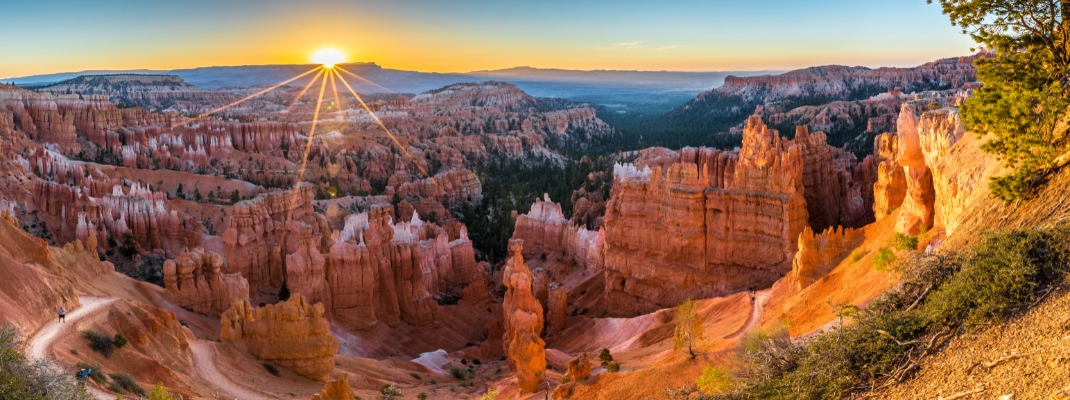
755, 313
204, 355
41, 342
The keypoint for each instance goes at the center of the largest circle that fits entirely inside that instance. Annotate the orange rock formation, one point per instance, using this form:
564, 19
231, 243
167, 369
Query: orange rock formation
293, 334
195, 281
523, 322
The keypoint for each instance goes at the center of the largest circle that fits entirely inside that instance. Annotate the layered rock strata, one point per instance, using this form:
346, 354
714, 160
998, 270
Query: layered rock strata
194, 280
819, 254
292, 334
706, 229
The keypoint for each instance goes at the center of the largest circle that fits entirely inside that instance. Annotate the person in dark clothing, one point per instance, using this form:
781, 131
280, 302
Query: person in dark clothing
62, 314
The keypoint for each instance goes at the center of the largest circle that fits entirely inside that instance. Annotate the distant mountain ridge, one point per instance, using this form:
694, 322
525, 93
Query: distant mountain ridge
596, 85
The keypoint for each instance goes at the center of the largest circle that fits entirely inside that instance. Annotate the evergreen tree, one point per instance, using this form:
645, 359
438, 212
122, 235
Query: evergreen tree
1025, 93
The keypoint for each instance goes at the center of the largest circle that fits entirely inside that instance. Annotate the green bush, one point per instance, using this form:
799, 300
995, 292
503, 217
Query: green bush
904, 242
127, 383
1002, 273
606, 357
458, 372
613, 367
95, 373
998, 276
160, 393
119, 340
884, 260
22, 379
856, 255
99, 342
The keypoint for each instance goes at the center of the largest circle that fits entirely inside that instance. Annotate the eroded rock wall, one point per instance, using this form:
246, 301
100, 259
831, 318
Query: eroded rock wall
293, 334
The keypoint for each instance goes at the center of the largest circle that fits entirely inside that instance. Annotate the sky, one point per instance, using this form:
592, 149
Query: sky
469, 35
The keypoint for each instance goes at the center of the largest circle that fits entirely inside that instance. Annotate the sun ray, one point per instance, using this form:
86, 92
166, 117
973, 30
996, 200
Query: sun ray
308, 149
246, 98
334, 87
309, 85
381, 125
363, 79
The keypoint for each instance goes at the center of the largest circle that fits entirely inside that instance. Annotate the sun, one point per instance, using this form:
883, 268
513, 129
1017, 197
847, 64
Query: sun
328, 57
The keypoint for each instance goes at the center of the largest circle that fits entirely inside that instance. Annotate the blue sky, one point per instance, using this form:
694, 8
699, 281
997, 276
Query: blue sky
466, 35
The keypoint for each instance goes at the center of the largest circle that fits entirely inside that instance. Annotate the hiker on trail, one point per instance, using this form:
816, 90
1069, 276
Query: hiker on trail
751, 291
62, 314
82, 374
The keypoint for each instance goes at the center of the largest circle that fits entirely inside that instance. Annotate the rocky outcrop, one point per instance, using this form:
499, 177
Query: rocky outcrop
579, 368
194, 280
819, 254
731, 224
292, 334
546, 232
557, 312
523, 322
891, 186
840, 82
337, 388
832, 196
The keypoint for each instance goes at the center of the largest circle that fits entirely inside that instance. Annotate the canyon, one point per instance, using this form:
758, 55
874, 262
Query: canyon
331, 264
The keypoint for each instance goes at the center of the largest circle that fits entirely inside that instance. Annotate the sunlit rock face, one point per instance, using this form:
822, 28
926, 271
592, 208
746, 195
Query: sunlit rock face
523, 322
717, 222
916, 172
292, 334
819, 254
890, 188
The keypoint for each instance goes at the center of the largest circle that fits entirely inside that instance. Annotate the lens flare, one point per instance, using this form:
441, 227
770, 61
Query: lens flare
328, 57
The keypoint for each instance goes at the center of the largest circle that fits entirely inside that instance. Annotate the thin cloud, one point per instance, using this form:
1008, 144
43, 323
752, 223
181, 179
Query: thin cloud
631, 45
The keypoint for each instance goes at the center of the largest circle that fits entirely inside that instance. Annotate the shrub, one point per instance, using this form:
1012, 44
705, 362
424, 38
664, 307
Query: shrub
1002, 273
904, 242
422, 396
119, 340
613, 367
127, 383
23, 379
99, 342
94, 372
883, 260
491, 394
457, 372
160, 393
714, 380
565, 379
998, 276
606, 357
271, 369
856, 255
389, 392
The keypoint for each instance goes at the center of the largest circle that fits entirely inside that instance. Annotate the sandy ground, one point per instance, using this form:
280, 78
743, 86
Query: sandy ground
39, 345
204, 356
